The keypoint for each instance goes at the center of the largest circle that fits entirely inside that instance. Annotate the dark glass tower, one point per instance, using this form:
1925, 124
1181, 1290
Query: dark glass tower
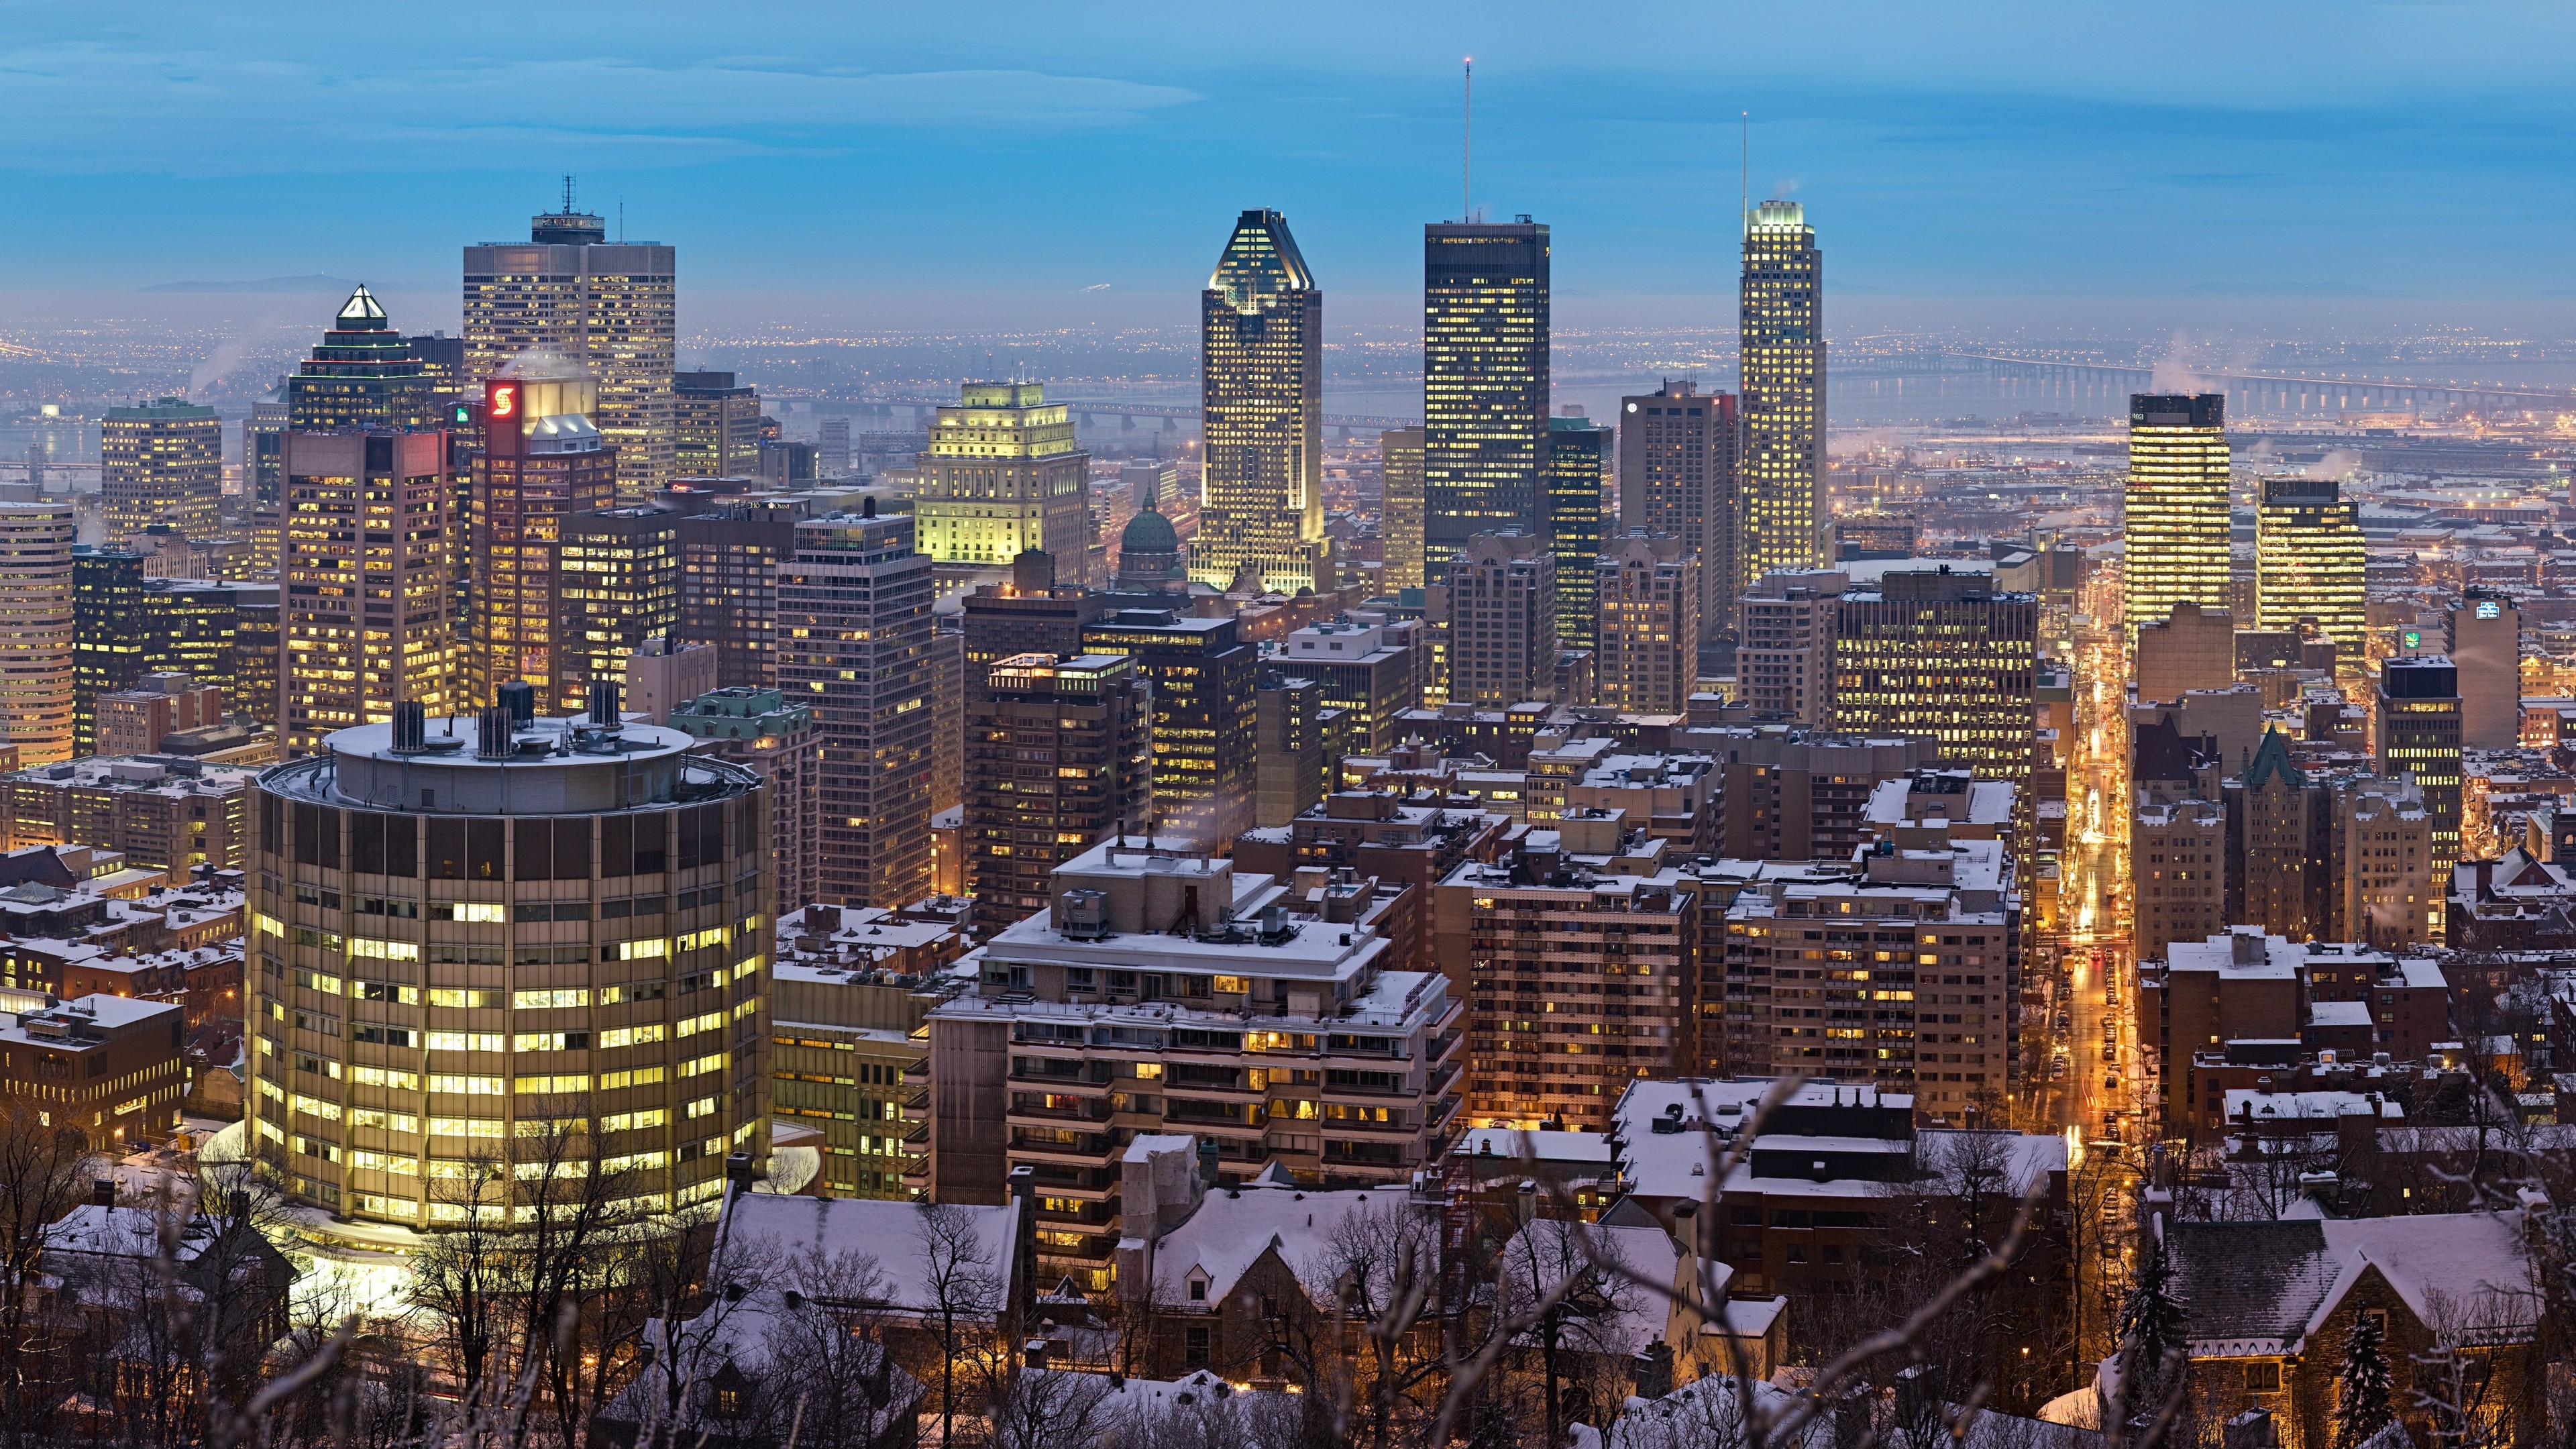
1484, 384
1578, 470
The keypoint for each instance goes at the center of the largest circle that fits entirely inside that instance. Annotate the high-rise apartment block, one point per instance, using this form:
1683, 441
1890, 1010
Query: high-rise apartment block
1580, 965
2309, 564
1782, 341
854, 625
1502, 620
1058, 760
1203, 679
1785, 654
1399, 527
1302, 740
2482, 636
1947, 657
556, 932
2419, 739
365, 579
161, 462
36, 634
1578, 478
605, 308
2178, 857
2176, 516
542, 464
1271, 1035
2388, 891
362, 374
774, 738
618, 585
1647, 660
1677, 475
1261, 404
1003, 475
715, 426
1484, 385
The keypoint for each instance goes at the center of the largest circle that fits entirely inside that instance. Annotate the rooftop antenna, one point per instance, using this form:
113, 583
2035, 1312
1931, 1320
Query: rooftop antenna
567, 193
1467, 143
621, 220
1744, 185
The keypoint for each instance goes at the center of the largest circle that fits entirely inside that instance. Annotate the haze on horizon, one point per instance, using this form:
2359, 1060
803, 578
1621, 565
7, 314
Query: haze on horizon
936, 166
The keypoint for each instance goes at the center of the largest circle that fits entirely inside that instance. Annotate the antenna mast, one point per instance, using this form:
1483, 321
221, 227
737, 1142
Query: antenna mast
1467, 143
567, 193
1744, 185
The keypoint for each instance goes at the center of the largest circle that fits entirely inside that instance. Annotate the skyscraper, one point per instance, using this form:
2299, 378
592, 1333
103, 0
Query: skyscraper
729, 561
36, 630
1578, 474
2419, 738
1677, 475
2482, 634
362, 374
854, 642
1261, 405
1649, 589
1484, 384
364, 582
2176, 517
109, 641
494, 948
619, 586
2309, 564
1945, 657
1399, 518
1782, 340
1502, 621
716, 426
263, 441
1003, 475
1204, 678
161, 462
1091, 715
605, 307
542, 462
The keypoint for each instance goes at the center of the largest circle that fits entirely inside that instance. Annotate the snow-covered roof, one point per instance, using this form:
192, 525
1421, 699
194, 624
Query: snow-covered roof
2260, 1288
1229, 1231
2269, 1106
890, 1233
2339, 1013
1617, 1319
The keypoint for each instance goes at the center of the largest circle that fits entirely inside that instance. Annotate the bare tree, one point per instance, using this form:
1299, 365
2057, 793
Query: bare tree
45, 1172
966, 1295
1555, 1279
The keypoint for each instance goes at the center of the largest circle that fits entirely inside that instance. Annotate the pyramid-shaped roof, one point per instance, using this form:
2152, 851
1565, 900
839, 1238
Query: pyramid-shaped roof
2273, 757
361, 310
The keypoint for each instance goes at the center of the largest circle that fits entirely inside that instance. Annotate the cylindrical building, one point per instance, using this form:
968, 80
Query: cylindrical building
36, 630
473, 937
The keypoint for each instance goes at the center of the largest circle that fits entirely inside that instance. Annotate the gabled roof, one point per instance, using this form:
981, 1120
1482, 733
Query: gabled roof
2165, 753
890, 1233
1230, 1231
2261, 1288
2272, 757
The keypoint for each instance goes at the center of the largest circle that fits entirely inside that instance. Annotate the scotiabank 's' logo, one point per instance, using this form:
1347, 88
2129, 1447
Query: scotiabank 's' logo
503, 401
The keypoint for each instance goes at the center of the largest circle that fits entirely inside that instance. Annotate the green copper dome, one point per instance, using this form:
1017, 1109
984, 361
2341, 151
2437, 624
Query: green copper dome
1149, 532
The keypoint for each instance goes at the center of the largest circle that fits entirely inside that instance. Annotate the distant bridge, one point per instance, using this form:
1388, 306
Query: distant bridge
2270, 391
1087, 412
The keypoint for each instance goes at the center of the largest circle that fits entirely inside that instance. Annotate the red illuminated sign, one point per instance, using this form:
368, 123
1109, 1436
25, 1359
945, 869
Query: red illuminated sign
503, 400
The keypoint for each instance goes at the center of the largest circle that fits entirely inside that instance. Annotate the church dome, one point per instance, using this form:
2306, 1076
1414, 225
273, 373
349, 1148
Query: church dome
1149, 532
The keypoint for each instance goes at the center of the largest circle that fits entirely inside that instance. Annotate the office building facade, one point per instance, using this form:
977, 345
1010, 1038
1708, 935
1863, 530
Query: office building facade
1399, 528
365, 623
362, 374
2419, 718
1484, 384
1058, 760
617, 585
1946, 657
1203, 679
2176, 512
1677, 475
1003, 475
1261, 408
606, 308
1784, 658
161, 463
715, 426
1782, 341
2309, 564
457, 956
774, 738
855, 637
37, 668
2482, 637
729, 562
1578, 478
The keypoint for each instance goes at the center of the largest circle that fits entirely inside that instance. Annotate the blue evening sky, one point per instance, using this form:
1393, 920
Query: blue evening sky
981, 154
